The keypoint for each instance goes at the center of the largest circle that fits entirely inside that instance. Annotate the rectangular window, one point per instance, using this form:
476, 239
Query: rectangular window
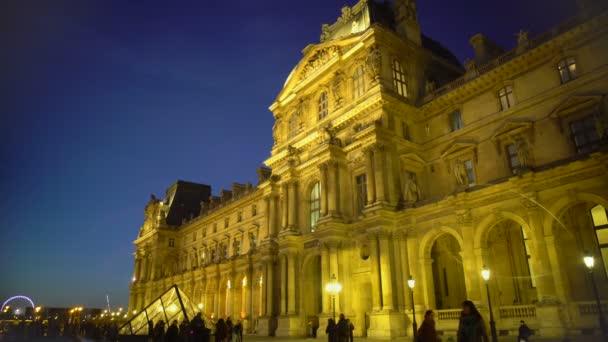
528, 258
567, 69
171, 242
456, 120
506, 97
215, 227
468, 166
361, 181
194, 237
237, 247
358, 82
226, 222
205, 232
315, 206
239, 216
399, 79
254, 210
513, 158
585, 135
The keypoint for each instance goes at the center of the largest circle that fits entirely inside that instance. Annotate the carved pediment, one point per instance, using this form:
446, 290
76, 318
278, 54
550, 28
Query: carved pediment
412, 161
458, 149
318, 59
576, 103
511, 128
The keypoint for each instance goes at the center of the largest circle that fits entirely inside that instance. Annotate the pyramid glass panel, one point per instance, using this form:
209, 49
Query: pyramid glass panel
171, 306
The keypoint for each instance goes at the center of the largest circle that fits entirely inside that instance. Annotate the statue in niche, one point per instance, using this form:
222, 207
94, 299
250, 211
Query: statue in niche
337, 89
411, 191
374, 64
460, 173
523, 151
324, 33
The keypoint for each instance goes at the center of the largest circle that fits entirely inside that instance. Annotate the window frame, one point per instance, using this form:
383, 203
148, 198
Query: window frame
314, 202
506, 93
323, 106
592, 139
361, 191
511, 156
602, 247
399, 78
566, 74
358, 82
470, 172
293, 126
456, 122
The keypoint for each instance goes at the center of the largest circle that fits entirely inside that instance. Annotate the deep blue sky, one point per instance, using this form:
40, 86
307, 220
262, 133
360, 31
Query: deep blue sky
104, 102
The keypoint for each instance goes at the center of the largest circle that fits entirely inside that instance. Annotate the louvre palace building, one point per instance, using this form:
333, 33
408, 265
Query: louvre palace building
391, 162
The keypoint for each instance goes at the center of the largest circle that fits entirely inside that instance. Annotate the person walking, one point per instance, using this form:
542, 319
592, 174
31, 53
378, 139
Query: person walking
343, 329
524, 332
159, 331
172, 333
427, 332
230, 329
331, 331
221, 331
471, 327
238, 331
351, 328
150, 331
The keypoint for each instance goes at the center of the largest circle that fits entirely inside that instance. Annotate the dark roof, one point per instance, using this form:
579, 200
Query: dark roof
441, 51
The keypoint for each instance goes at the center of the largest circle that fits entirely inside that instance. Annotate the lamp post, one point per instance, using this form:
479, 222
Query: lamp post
333, 288
411, 283
485, 274
589, 261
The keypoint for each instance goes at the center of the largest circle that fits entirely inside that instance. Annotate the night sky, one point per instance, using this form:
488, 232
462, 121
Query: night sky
105, 102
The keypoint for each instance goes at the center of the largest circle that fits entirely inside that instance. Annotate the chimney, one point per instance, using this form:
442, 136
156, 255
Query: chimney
485, 48
406, 20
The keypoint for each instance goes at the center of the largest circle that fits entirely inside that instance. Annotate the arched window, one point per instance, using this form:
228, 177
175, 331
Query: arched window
399, 79
323, 110
293, 126
315, 205
358, 82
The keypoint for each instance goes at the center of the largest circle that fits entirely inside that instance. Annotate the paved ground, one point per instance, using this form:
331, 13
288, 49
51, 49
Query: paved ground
408, 339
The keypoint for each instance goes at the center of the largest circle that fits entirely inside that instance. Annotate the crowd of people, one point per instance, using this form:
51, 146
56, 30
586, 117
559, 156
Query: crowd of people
471, 328
195, 331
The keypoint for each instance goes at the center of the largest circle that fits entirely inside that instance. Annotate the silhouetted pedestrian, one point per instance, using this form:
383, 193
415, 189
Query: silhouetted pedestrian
427, 332
524, 332
331, 331
172, 333
472, 327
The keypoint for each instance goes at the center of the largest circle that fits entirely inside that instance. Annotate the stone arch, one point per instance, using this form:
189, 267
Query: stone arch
558, 207
485, 226
427, 241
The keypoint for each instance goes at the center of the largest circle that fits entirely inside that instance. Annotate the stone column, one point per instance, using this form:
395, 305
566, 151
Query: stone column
283, 275
272, 216
398, 275
428, 282
267, 214
374, 259
561, 287
270, 289
293, 208
137, 271
405, 270
545, 285
391, 181
386, 272
284, 205
249, 311
323, 169
333, 268
325, 278
481, 258
379, 173
291, 284
144, 268
369, 171
332, 186
414, 260
470, 265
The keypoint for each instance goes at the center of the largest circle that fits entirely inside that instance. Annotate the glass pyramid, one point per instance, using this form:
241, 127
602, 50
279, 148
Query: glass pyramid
170, 306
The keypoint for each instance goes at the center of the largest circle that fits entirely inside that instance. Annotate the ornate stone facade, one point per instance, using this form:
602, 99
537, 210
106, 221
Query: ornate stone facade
503, 164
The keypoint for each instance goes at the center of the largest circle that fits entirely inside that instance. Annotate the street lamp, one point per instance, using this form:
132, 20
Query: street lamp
485, 274
589, 261
333, 288
411, 283
200, 306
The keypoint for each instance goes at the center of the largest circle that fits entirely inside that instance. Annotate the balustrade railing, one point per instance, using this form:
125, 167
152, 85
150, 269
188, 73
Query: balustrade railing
449, 314
590, 308
517, 311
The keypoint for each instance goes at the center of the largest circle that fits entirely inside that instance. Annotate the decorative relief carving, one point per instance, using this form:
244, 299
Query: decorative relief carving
347, 14
337, 88
411, 191
324, 33
318, 60
374, 64
465, 218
